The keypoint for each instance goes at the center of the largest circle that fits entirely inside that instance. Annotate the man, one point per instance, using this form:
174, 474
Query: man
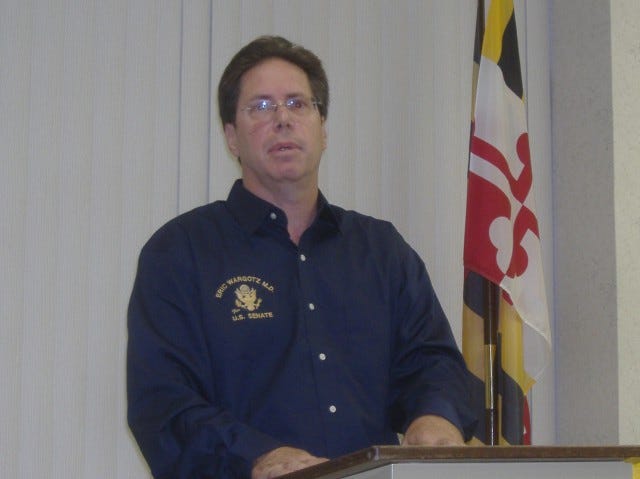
273, 331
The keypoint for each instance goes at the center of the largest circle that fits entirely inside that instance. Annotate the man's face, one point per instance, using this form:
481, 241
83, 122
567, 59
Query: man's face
281, 147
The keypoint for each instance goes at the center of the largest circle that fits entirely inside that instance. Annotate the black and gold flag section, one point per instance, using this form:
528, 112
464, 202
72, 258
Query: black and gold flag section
489, 326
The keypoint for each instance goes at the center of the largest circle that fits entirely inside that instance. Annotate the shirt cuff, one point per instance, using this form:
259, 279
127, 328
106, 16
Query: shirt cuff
440, 408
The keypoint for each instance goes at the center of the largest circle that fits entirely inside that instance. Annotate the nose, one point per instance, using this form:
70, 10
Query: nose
282, 117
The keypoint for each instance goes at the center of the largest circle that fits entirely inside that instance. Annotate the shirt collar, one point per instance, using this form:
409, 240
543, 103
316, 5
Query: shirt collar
251, 211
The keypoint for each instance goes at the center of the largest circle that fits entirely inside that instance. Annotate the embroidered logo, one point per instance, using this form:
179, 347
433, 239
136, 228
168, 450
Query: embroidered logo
247, 297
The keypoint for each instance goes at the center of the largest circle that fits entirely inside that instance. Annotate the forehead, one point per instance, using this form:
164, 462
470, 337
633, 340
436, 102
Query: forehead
274, 77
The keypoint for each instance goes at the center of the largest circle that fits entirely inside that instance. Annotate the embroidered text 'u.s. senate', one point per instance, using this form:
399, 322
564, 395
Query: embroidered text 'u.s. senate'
248, 294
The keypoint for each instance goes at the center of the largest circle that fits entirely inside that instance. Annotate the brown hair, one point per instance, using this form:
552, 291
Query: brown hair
259, 50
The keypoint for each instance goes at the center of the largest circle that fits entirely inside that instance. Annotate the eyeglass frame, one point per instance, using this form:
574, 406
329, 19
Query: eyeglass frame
271, 110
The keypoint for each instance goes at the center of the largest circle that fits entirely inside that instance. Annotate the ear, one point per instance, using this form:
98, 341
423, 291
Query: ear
232, 139
324, 135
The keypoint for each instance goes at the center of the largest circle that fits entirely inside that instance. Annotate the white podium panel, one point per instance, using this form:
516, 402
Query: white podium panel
505, 470
496, 462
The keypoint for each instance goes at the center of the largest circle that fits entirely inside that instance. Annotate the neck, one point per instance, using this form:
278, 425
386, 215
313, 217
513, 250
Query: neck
299, 204
299, 218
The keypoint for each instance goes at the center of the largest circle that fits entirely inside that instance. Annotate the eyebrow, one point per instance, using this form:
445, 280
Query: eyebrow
271, 97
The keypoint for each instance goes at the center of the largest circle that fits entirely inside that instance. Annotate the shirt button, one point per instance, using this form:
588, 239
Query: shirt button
303, 257
322, 356
273, 216
332, 409
312, 306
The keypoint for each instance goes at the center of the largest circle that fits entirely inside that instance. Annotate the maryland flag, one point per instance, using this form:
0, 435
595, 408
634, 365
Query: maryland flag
506, 338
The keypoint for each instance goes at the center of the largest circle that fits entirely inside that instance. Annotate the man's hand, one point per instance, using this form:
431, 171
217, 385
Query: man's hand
282, 461
432, 431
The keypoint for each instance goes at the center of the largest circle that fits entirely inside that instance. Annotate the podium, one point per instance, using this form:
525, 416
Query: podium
484, 462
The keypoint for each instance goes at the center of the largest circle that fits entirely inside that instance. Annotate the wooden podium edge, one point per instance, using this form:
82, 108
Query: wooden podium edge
379, 456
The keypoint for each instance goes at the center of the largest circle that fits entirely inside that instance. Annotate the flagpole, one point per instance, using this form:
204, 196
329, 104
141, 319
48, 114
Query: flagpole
491, 298
491, 291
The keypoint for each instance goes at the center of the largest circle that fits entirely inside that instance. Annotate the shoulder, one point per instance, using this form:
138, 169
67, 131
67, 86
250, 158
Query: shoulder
378, 238
188, 227
355, 223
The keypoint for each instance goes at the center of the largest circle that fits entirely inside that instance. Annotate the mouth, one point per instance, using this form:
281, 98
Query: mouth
282, 147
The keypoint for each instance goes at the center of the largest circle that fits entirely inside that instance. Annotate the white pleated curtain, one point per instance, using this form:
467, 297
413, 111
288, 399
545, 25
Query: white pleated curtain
109, 128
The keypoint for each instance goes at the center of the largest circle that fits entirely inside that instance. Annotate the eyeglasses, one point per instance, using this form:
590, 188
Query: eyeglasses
264, 108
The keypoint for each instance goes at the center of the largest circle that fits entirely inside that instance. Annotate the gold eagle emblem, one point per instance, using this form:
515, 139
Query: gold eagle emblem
247, 298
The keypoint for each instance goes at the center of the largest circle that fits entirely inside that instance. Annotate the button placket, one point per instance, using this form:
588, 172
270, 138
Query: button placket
310, 305
322, 357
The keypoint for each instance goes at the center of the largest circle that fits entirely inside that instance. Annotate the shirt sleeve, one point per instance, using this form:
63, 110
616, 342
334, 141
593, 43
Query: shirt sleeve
428, 372
173, 412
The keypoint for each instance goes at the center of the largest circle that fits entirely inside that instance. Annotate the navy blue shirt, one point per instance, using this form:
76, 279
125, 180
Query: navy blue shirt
241, 342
